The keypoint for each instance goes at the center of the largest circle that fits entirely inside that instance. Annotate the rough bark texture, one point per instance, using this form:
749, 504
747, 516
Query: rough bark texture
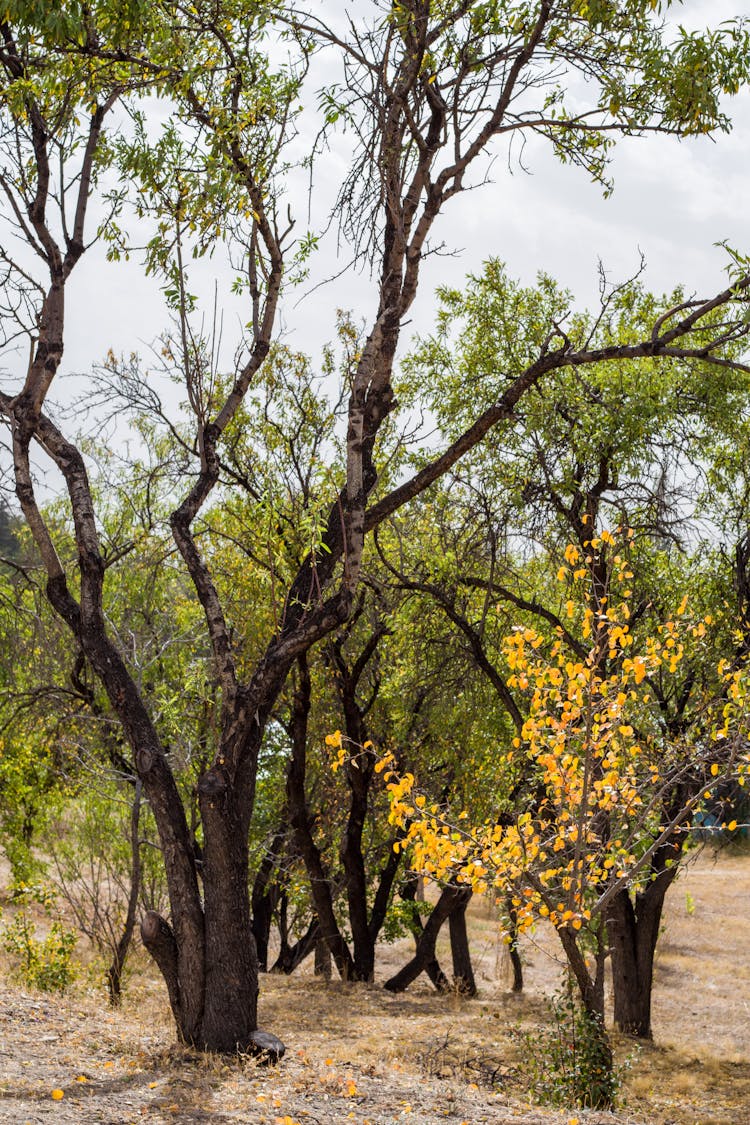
360, 771
322, 958
300, 818
159, 940
633, 929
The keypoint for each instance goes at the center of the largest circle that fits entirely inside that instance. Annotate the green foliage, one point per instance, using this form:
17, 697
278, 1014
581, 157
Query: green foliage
44, 963
570, 1063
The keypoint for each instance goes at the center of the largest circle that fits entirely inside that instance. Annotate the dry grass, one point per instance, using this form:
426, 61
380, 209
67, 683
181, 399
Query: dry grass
358, 1054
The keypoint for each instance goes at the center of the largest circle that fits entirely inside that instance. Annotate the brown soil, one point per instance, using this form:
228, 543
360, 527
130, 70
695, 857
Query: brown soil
357, 1054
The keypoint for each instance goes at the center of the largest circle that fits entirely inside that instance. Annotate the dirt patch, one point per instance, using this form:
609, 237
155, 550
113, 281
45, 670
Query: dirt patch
358, 1054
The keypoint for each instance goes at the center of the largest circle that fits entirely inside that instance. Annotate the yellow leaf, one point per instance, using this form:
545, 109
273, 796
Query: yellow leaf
714, 769
732, 825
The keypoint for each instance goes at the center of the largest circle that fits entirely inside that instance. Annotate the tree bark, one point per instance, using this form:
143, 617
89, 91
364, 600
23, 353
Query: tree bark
231, 962
359, 772
452, 898
295, 787
115, 970
408, 891
633, 929
515, 956
290, 956
322, 958
265, 897
463, 973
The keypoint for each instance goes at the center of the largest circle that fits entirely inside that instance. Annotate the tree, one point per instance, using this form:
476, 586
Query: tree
607, 787
594, 447
427, 88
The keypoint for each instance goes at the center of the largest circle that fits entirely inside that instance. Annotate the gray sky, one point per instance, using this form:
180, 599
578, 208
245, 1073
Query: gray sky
673, 201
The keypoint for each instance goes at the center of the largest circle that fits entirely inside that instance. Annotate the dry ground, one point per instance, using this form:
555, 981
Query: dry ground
357, 1054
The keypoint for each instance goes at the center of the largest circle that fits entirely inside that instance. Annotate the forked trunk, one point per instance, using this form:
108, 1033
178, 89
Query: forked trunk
225, 989
213, 981
452, 898
408, 892
633, 929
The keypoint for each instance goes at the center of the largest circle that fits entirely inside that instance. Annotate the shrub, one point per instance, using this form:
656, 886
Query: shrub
44, 963
570, 1063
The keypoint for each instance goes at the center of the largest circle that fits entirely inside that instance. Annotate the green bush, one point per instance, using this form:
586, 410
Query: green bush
45, 963
570, 1063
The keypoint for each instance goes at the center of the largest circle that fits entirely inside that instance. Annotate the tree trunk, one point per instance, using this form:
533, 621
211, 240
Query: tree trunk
463, 973
354, 870
451, 898
591, 989
117, 965
320, 889
231, 990
633, 929
515, 956
411, 891
213, 985
265, 897
290, 956
322, 958
359, 771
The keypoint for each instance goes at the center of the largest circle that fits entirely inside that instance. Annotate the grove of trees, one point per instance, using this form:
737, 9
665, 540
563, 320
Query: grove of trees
277, 615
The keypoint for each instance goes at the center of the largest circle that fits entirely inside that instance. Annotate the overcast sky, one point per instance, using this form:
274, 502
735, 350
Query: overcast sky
673, 201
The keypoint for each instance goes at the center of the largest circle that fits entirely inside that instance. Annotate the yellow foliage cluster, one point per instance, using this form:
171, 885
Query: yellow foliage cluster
591, 758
